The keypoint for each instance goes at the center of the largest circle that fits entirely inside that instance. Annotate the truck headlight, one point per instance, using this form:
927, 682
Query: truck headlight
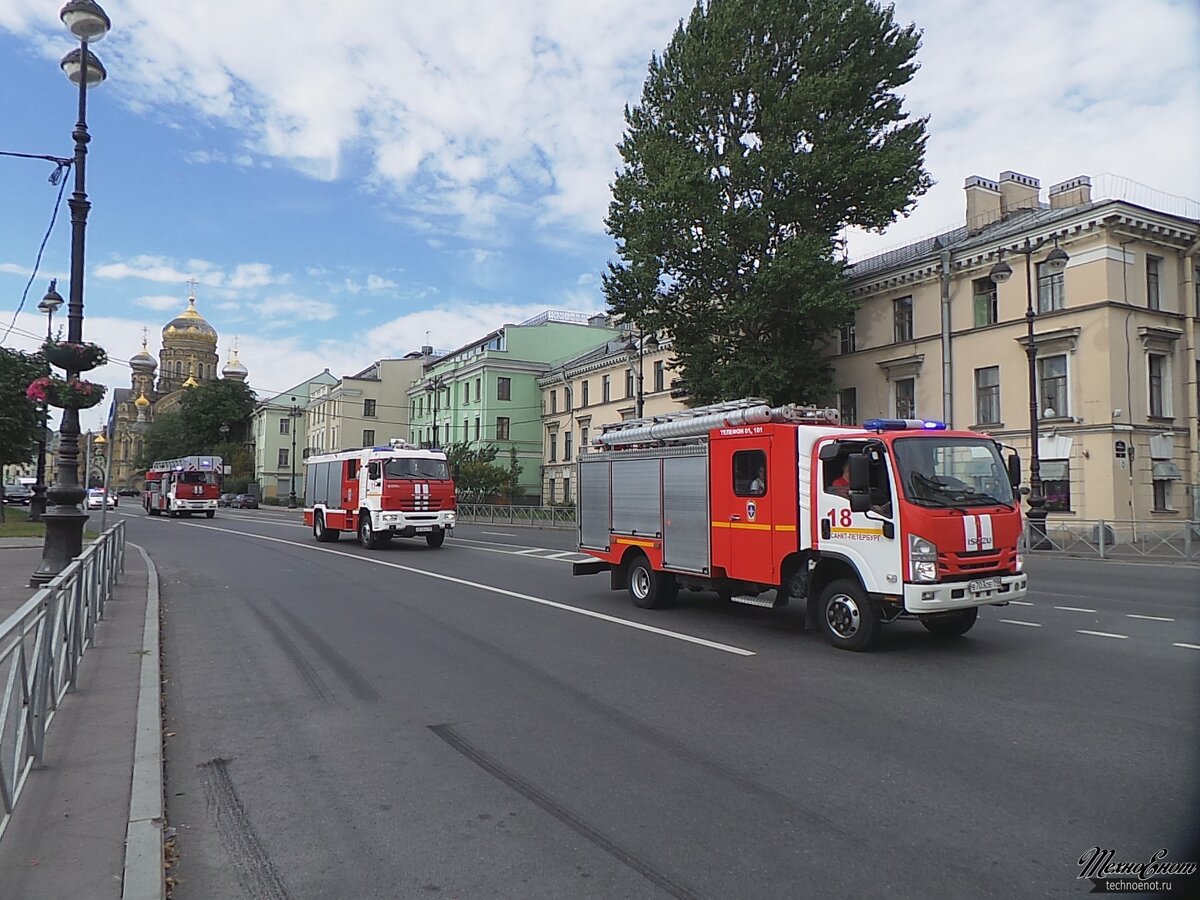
922, 559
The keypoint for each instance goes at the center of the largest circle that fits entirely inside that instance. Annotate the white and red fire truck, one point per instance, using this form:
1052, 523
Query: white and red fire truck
380, 493
180, 487
896, 518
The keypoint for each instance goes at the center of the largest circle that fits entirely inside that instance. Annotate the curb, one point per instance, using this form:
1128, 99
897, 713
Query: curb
144, 853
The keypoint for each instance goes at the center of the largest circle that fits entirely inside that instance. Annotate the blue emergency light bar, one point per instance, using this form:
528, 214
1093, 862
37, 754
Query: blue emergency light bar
903, 425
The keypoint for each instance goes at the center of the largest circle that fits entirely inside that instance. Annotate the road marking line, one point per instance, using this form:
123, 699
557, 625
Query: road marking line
566, 554
542, 601
1123, 637
1187, 646
1074, 609
529, 552
1020, 603
1148, 618
1019, 622
499, 533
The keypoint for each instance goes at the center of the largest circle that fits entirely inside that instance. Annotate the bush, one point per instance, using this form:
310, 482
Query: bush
272, 501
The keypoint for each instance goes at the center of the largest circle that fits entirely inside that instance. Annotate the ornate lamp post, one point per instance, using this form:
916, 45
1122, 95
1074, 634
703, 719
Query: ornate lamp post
634, 352
63, 518
1055, 263
50, 305
294, 413
434, 387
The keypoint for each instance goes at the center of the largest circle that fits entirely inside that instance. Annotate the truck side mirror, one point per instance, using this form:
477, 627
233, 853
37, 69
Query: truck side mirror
860, 482
1014, 471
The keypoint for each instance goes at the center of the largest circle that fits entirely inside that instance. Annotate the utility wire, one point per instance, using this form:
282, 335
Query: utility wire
55, 178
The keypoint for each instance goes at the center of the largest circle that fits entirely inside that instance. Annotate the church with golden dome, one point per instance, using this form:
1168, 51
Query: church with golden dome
187, 358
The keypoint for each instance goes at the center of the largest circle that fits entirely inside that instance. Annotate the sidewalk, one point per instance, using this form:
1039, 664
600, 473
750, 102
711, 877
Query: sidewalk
67, 835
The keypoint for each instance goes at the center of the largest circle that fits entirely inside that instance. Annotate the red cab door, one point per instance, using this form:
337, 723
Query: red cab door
741, 491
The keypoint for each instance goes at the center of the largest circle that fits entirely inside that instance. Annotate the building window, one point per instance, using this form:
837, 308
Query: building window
987, 396
583, 438
478, 389
605, 389
368, 437
368, 409
476, 428
1196, 289
553, 402
1162, 496
567, 448
285, 425
983, 292
1052, 386
502, 428
848, 405
628, 384
1160, 386
552, 484
283, 458
583, 393
1153, 299
466, 391
1056, 484
660, 382
846, 336
1051, 289
503, 388
566, 489
906, 398
552, 442
902, 317
568, 398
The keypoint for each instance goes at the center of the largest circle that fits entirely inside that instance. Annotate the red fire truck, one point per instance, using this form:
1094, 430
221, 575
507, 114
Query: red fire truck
380, 493
180, 487
898, 518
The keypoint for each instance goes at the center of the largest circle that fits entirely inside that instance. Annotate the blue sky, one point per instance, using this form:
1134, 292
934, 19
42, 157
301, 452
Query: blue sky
342, 178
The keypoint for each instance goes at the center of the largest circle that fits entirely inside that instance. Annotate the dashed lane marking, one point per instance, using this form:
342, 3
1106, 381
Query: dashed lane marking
1074, 609
1107, 634
1187, 646
1148, 618
1020, 603
1019, 622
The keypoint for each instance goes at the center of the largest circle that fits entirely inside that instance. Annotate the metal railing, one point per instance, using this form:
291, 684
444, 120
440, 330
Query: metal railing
560, 516
40, 648
1111, 539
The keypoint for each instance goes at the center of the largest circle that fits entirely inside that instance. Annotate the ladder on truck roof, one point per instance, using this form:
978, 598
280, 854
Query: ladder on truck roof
696, 423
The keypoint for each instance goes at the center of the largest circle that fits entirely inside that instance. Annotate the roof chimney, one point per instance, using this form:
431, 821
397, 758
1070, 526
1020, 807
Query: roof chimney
1018, 191
983, 202
1072, 192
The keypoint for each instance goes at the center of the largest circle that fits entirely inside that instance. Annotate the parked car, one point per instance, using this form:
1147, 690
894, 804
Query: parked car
129, 492
17, 494
97, 496
245, 501
226, 500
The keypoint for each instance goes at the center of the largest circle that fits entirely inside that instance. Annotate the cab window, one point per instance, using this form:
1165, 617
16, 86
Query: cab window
749, 473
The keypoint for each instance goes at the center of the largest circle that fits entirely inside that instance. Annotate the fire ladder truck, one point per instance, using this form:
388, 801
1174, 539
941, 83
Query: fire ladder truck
182, 486
898, 518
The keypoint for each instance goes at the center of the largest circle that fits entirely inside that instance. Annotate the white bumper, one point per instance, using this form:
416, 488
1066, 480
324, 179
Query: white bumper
421, 522
934, 598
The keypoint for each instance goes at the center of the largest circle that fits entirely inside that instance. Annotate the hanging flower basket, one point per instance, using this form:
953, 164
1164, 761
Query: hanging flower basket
74, 356
64, 394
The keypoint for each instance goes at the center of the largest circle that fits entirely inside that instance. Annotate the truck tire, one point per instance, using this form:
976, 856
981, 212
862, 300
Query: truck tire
209, 514
435, 539
649, 589
951, 624
848, 617
321, 533
366, 534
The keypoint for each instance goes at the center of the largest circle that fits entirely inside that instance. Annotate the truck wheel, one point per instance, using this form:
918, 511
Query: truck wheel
366, 534
435, 538
848, 618
321, 533
951, 624
649, 589
209, 514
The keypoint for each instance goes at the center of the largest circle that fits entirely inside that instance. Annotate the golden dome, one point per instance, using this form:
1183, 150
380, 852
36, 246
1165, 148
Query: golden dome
189, 325
191, 382
141, 402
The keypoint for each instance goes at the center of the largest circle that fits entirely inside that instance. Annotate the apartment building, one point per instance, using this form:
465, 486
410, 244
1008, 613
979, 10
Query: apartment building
486, 393
603, 385
940, 332
278, 430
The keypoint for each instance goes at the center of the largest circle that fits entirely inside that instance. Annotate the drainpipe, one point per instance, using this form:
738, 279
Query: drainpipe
1191, 258
947, 358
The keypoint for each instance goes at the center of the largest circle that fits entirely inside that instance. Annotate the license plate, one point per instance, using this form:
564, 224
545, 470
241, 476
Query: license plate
984, 584
423, 528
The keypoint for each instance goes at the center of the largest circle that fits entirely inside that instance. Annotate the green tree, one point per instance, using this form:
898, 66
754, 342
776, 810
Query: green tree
476, 476
765, 129
195, 428
20, 417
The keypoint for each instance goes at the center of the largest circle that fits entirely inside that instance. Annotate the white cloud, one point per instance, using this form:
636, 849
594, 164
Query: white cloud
160, 269
158, 301
379, 283
290, 305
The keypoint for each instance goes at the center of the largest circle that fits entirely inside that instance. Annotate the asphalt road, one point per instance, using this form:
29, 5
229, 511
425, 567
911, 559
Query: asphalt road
474, 722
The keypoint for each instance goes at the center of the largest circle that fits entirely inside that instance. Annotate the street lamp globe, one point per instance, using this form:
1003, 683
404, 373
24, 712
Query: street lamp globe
51, 303
86, 20
1056, 261
72, 66
1000, 272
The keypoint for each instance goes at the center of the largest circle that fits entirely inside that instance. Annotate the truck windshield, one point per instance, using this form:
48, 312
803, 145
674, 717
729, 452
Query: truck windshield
952, 472
414, 467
